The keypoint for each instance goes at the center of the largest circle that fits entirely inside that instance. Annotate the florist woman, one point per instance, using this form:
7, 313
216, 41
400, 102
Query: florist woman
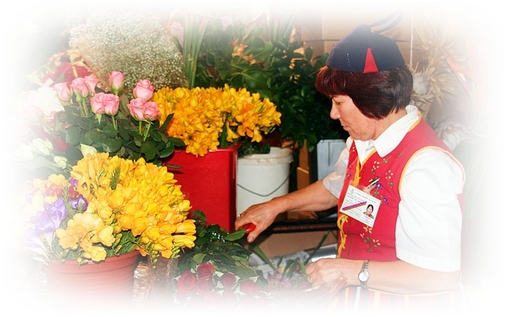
410, 252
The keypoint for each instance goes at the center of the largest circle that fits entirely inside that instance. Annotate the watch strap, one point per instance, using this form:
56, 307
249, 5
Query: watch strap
365, 268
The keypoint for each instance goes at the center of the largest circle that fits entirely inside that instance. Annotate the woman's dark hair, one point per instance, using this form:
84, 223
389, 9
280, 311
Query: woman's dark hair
375, 94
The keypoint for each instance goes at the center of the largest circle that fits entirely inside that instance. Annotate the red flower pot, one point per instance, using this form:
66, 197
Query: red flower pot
208, 182
109, 280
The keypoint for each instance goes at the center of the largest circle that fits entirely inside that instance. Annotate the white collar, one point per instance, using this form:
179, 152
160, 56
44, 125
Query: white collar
390, 138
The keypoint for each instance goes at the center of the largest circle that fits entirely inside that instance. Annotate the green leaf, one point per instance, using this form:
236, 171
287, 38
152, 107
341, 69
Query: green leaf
236, 235
264, 53
262, 255
73, 135
156, 136
149, 151
281, 44
164, 126
167, 151
109, 131
111, 145
198, 258
253, 46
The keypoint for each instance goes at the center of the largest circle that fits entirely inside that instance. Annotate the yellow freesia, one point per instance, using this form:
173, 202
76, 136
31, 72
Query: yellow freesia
200, 114
106, 236
186, 227
184, 241
124, 197
139, 225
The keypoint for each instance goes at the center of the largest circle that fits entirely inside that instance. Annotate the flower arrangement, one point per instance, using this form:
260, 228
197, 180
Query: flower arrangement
220, 269
209, 118
217, 268
81, 115
108, 206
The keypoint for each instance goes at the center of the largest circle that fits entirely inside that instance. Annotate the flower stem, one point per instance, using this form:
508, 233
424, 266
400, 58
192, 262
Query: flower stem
114, 122
83, 107
146, 130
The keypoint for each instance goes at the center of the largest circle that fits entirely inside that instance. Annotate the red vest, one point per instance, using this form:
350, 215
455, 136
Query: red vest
358, 241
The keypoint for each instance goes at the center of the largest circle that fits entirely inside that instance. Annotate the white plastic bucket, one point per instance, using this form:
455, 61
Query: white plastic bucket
261, 177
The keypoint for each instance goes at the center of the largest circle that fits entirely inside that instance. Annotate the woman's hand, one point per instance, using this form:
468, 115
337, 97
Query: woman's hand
330, 274
390, 276
261, 215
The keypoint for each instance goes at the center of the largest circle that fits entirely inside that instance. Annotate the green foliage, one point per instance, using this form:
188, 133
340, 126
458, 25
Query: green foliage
275, 68
216, 245
132, 139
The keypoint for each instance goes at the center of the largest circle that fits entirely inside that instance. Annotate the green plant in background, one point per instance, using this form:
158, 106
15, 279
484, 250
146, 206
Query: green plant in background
268, 60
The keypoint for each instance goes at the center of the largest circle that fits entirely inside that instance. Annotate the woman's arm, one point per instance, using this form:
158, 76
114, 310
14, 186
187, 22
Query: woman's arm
314, 197
396, 276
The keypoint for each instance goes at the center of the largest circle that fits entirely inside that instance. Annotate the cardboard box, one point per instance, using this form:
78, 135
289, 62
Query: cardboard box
334, 23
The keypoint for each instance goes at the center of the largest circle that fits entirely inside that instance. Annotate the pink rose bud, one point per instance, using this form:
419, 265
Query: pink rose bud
111, 104
97, 103
136, 108
63, 91
151, 111
116, 81
144, 90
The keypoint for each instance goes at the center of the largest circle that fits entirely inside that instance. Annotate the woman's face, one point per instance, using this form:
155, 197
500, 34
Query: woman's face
351, 119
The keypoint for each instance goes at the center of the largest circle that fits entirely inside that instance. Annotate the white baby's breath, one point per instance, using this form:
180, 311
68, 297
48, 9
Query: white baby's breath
133, 43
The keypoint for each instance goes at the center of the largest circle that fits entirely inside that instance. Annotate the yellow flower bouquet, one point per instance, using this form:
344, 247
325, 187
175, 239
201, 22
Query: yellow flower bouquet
209, 118
108, 206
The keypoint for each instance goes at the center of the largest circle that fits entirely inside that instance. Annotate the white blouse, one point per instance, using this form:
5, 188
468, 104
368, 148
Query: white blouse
428, 231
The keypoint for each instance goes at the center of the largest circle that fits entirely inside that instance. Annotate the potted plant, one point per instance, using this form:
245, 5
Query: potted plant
267, 60
108, 208
91, 151
212, 122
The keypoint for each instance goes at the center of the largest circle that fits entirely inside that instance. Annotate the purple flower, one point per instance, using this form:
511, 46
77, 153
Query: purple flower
80, 203
73, 182
49, 219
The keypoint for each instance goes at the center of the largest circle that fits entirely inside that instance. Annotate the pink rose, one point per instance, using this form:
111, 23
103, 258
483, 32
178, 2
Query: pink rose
91, 83
144, 89
228, 280
205, 269
111, 104
151, 111
186, 283
142, 110
80, 87
63, 91
97, 103
136, 108
116, 81
105, 103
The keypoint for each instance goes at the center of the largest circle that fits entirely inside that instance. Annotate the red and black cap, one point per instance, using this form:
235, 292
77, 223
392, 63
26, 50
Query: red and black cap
364, 51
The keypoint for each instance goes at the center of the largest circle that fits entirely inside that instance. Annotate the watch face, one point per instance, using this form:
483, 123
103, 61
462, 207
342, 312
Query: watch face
363, 276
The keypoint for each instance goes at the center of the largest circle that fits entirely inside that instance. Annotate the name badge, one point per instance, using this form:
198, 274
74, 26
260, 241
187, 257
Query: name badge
360, 205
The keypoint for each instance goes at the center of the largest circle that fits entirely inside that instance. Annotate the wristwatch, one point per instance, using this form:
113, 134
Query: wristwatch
363, 276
